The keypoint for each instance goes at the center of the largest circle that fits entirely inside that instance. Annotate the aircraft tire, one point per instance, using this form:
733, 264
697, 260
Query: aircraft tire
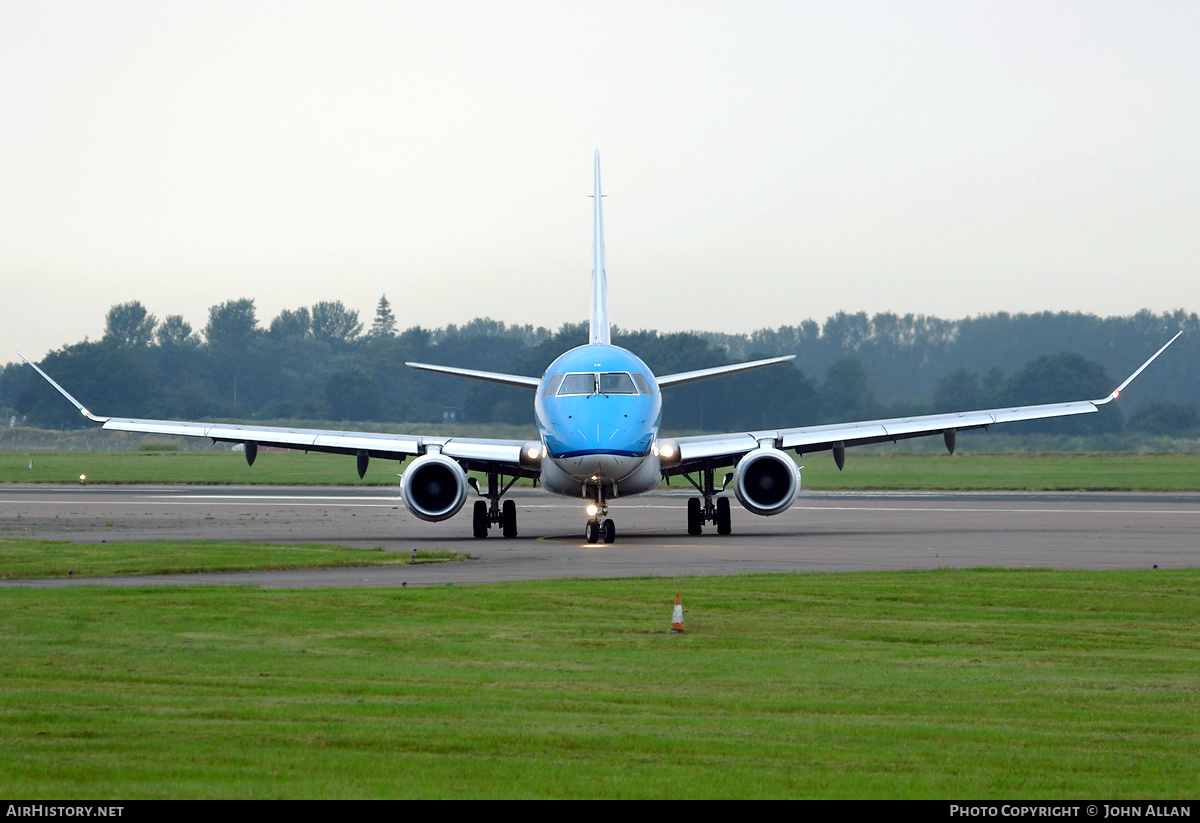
695, 519
724, 520
508, 518
610, 531
479, 519
591, 532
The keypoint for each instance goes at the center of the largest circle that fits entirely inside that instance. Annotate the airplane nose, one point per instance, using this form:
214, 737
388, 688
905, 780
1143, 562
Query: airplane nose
604, 466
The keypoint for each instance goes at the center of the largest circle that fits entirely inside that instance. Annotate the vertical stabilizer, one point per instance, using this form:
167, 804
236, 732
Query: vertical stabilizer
599, 326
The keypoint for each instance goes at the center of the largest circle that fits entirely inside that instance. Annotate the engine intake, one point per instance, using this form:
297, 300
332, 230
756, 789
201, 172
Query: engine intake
434, 487
766, 481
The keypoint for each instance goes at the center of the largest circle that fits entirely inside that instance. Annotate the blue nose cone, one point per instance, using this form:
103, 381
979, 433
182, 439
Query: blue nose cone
600, 424
598, 399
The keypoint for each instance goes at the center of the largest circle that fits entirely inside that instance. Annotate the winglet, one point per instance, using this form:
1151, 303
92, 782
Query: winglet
65, 393
1117, 391
599, 326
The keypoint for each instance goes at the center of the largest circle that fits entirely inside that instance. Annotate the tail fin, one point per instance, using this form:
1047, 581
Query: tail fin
599, 327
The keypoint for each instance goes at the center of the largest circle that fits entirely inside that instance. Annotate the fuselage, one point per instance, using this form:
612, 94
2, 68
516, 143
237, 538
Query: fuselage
598, 409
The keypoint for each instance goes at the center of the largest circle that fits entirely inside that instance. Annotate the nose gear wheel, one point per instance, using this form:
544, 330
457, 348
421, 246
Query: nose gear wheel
600, 527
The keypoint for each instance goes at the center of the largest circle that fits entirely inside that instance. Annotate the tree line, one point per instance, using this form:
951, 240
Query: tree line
320, 363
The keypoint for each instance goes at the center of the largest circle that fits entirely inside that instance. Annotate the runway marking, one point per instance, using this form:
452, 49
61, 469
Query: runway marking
276, 500
267, 497
244, 501
1000, 511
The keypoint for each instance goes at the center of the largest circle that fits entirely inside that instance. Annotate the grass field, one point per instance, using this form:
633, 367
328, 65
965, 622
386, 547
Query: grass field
31, 559
864, 470
1035, 472
953, 684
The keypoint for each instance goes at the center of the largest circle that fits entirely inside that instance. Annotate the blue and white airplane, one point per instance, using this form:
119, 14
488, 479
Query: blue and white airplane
598, 408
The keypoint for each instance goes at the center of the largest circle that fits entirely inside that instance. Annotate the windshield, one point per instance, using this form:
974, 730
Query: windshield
578, 384
615, 382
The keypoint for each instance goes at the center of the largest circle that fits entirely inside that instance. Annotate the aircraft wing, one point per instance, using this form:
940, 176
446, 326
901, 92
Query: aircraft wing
508, 456
686, 454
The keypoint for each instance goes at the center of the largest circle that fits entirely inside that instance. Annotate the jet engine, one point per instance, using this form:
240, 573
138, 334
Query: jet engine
766, 481
434, 487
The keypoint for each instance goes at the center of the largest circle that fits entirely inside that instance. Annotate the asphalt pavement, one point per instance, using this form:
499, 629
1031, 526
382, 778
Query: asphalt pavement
823, 532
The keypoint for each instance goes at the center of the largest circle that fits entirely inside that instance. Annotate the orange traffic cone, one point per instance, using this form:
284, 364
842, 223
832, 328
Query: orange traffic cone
677, 616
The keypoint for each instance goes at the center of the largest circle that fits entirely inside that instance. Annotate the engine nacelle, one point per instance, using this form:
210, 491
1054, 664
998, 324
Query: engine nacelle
766, 481
434, 487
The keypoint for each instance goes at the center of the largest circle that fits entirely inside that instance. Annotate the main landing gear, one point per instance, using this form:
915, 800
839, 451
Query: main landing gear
485, 514
596, 529
711, 509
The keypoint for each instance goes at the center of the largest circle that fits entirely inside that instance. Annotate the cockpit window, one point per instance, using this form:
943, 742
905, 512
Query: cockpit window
642, 384
552, 385
578, 384
617, 382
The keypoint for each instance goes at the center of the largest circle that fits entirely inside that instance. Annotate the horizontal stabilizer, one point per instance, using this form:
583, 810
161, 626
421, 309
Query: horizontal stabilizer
490, 376
703, 374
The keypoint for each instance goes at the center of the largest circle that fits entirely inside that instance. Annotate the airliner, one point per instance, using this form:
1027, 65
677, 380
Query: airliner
598, 408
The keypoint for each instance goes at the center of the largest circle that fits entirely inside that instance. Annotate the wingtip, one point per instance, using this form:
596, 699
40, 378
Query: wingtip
1117, 391
82, 409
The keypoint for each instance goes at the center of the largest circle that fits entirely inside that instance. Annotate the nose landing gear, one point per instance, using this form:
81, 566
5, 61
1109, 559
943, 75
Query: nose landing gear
597, 530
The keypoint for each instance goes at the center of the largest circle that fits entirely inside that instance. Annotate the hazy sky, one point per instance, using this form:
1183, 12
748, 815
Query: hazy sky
764, 162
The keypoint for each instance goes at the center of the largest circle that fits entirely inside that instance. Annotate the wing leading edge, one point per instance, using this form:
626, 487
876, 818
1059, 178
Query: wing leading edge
510, 456
686, 454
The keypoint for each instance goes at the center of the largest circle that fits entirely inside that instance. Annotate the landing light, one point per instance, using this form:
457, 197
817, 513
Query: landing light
533, 452
667, 450
592, 509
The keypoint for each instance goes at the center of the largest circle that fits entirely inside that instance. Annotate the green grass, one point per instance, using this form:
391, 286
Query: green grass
979, 684
864, 470
1071, 471
198, 467
30, 559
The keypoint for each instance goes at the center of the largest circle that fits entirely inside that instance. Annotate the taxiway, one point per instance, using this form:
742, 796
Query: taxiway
824, 531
